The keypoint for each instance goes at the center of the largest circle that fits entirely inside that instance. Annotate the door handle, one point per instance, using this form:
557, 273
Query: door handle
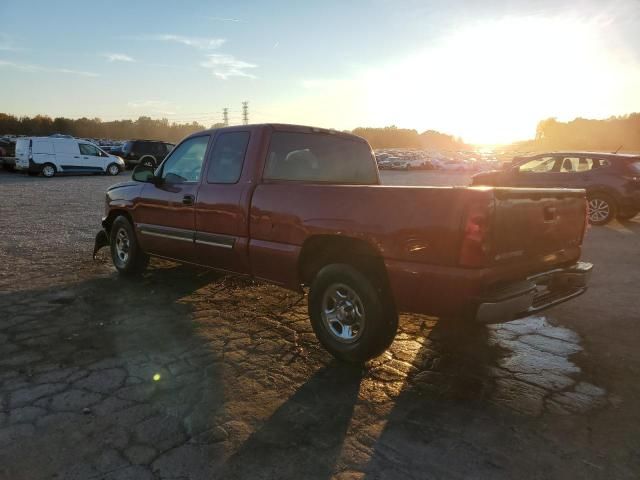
76, 157
188, 199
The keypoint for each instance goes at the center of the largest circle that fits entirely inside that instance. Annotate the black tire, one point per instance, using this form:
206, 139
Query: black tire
129, 259
49, 170
112, 169
380, 320
628, 214
602, 208
148, 161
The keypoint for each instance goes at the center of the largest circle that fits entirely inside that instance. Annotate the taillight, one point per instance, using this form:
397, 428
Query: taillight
476, 247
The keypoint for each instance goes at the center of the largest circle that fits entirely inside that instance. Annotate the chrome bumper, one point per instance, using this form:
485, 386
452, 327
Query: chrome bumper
536, 293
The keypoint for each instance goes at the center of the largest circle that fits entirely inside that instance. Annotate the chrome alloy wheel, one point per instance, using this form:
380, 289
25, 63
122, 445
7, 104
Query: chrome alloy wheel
599, 210
122, 245
342, 313
114, 169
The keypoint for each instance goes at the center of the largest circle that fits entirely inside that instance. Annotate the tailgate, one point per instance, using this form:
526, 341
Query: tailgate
538, 224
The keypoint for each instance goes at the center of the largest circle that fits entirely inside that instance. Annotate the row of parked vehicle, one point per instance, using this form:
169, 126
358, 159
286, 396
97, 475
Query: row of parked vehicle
59, 154
408, 159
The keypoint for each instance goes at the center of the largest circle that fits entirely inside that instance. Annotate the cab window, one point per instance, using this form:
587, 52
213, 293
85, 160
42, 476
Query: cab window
86, 149
185, 162
227, 157
316, 157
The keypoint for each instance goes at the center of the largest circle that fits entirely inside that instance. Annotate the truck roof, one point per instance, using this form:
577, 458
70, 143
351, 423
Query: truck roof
285, 127
581, 154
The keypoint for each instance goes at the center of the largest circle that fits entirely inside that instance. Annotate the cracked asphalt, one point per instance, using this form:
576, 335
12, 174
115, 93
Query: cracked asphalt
188, 374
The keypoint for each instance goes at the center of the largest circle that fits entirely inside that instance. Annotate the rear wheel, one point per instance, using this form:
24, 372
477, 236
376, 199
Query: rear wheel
352, 319
126, 254
602, 209
48, 170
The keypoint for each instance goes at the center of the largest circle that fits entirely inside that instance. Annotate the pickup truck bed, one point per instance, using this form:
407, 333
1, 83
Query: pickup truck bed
305, 208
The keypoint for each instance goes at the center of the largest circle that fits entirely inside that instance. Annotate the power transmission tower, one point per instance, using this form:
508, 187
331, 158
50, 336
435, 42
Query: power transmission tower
225, 117
245, 113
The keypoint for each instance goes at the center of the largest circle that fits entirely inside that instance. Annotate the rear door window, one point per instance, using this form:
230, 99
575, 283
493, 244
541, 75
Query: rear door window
317, 157
227, 157
539, 165
575, 164
43, 146
70, 147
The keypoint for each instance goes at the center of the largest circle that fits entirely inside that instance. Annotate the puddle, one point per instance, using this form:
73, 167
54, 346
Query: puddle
525, 365
535, 373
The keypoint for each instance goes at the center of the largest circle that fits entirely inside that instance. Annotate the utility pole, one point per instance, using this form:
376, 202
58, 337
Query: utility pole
245, 113
225, 117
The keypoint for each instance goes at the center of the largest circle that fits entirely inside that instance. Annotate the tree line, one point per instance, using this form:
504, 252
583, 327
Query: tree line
608, 135
580, 134
143, 127
146, 127
394, 137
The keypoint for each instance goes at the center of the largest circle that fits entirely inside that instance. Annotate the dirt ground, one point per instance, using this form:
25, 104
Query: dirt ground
187, 374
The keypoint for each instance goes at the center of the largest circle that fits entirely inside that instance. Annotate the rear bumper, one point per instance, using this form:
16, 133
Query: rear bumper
536, 293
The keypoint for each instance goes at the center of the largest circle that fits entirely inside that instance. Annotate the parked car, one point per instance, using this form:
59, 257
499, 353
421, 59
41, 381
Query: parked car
59, 154
612, 181
145, 152
300, 206
7, 153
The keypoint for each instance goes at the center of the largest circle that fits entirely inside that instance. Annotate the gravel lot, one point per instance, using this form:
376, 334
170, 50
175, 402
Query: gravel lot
186, 374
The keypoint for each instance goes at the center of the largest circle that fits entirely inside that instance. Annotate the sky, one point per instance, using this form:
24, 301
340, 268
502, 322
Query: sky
486, 71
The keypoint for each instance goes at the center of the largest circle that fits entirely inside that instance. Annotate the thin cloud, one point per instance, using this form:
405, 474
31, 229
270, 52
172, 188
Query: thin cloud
7, 45
201, 43
152, 106
118, 57
25, 67
225, 66
226, 19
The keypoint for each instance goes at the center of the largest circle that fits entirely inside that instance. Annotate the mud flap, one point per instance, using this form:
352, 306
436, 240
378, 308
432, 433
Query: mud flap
102, 240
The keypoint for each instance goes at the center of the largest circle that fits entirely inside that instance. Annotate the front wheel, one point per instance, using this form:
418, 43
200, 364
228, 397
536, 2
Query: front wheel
126, 254
113, 169
602, 209
351, 318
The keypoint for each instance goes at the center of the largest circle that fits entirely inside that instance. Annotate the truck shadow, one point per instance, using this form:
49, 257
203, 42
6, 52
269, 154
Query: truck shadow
469, 382
304, 437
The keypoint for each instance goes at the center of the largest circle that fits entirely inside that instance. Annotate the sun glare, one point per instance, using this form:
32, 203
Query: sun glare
492, 82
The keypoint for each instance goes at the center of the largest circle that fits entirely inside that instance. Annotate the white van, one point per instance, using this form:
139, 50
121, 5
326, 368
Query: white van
52, 155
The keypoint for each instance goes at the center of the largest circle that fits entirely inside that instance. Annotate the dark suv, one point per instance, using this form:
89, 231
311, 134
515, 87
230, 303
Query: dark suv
145, 152
612, 181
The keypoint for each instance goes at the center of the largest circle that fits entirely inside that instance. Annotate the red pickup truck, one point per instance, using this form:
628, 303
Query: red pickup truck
303, 207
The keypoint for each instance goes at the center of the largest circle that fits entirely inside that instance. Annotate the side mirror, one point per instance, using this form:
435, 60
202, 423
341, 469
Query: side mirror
142, 173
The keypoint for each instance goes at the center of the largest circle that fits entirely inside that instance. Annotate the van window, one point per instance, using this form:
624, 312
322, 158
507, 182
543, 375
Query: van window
67, 146
316, 157
227, 157
86, 149
42, 146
